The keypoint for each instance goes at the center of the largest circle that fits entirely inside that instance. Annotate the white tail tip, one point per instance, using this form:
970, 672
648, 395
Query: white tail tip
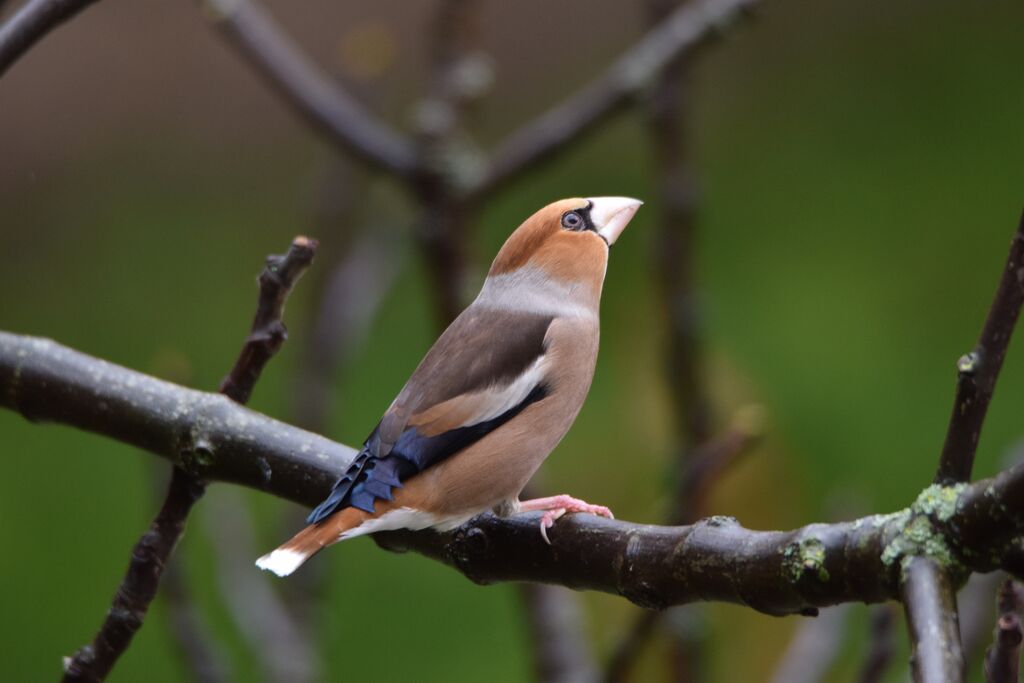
282, 562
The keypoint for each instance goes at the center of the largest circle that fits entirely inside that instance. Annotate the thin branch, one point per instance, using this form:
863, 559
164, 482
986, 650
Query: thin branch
1002, 661
881, 645
813, 648
29, 24
977, 613
558, 644
709, 461
285, 652
93, 662
192, 636
152, 552
716, 559
448, 154
629, 646
307, 89
978, 371
268, 332
680, 33
930, 604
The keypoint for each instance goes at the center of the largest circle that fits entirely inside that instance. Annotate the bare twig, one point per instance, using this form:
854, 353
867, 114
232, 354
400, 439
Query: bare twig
978, 370
349, 300
30, 23
320, 100
276, 640
541, 138
710, 460
881, 645
977, 613
131, 602
629, 646
558, 644
192, 636
268, 332
151, 554
1002, 661
814, 647
930, 604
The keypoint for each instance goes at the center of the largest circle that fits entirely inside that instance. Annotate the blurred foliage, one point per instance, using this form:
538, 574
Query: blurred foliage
860, 168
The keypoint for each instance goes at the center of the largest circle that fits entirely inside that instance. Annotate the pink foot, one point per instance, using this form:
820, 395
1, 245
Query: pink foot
556, 506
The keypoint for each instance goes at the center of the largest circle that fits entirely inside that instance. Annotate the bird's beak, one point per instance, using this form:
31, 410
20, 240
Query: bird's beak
610, 215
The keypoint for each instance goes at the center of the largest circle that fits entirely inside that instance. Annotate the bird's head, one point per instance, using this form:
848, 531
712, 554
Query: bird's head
567, 241
564, 246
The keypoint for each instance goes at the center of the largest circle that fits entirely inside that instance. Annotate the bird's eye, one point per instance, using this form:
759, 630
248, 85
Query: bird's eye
572, 220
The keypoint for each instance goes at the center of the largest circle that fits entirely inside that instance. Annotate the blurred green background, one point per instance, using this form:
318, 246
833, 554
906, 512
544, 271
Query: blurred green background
861, 172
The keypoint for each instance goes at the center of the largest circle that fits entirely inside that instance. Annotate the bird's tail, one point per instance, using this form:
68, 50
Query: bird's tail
311, 540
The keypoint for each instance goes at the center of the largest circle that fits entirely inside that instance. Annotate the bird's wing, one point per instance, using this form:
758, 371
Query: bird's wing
486, 368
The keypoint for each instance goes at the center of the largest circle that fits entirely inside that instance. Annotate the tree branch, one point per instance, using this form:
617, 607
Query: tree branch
93, 662
680, 33
814, 647
268, 332
1002, 660
880, 645
930, 603
151, 554
30, 23
312, 93
558, 644
772, 571
978, 371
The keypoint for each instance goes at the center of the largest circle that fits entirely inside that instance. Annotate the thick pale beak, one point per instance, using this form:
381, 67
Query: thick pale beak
611, 215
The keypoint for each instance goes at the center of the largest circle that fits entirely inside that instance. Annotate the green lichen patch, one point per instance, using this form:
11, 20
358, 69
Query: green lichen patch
805, 559
939, 501
919, 537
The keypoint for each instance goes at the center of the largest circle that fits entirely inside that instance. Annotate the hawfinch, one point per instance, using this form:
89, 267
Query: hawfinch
493, 396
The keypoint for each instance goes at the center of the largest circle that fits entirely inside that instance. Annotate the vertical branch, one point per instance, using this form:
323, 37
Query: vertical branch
814, 647
1002, 660
92, 663
880, 645
192, 636
930, 605
558, 643
278, 642
978, 370
447, 156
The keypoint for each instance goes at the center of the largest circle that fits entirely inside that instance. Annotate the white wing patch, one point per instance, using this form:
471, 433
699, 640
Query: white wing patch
473, 408
499, 399
407, 518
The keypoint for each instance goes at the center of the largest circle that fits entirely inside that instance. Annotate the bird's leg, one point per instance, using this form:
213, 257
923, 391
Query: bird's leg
556, 506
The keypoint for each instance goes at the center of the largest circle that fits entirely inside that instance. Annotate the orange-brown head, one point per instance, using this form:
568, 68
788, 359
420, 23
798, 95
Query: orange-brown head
562, 249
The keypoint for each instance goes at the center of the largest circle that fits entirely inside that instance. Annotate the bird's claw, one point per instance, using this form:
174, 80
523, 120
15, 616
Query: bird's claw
555, 507
547, 521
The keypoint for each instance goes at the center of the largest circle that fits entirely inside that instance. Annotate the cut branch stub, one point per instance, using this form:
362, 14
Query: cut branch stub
268, 330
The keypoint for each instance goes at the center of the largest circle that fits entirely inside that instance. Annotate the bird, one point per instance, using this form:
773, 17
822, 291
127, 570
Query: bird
492, 397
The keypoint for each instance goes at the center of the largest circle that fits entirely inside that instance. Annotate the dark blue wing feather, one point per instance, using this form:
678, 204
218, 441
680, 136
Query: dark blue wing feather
369, 478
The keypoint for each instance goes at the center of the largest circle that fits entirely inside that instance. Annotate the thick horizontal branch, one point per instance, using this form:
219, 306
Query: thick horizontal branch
206, 434
304, 86
670, 40
967, 527
30, 23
